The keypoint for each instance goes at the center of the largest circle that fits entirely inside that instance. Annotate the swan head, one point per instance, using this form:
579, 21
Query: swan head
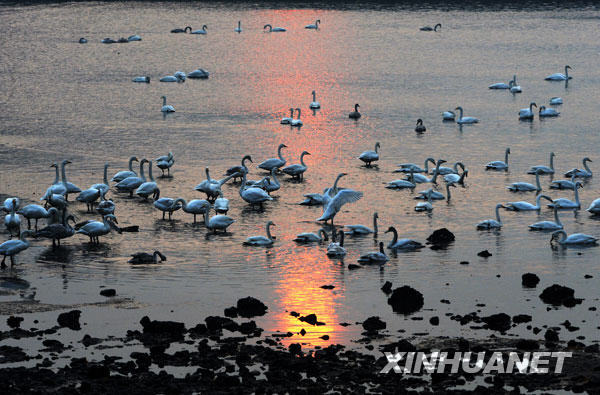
317, 21
204, 27
578, 184
390, 229
508, 150
440, 161
134, 158
419, 121
356, 107
283, 145
269, 26
247, 157
111, 217
586, 159
66, 162
54, 165
144, 161
542, 108
568, 67
532, 104
439, 25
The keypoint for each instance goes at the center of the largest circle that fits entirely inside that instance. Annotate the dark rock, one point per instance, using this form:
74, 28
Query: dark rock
387, 288
53, 345
435, 321
303, 332
230, 312
497, 322
295, 348
401, 345
551, 335
521, 318
588, 276
441, 237
484, 254
108, 292
90, 341
593, 348
352, 266
168, 328
527, 345
70, 320
325, 337
559, 295
248, 327
250, 307
9, 354
464, 262
373, 324
294, 314
530, 280
311, 319
406, 300
216, 323
14, 322
328, 286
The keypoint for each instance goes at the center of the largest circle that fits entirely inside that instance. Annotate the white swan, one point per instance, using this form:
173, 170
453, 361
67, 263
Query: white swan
297, 121
221, 204
555, 101
274, 162
411, 167
541, 169
239, 171
288, 120
131, 183
194, 207
595, 207
120, 176
499, 85
95, 229
370, 156
165, 162
527, 113
564, 203
165, 107
421, 179
238, 29
71, 188
514, 88
89, 197
560, 76
149, 187
499, 165
403, 184
548, 112
57, 187
464, 120
425, 206
103, 187
134, 37
141, 79
261, 241
314, 104
402, 244
317, 199
548, 225
312, 237
11, 248
273, 29
564, 184
105, 207
83, 40
355, 114
526, 206
492, 223
199, 74
212, 187
335, 204
271, 184
179, 76
297, 170
374, 258
448, 116
442, 170
204, 30
314, 25
253, 195
525, 186
431, 29
336, 249
361, 230
435, 195
574, 239
33, 211
12, 220
454, 178
586, 173
166, 205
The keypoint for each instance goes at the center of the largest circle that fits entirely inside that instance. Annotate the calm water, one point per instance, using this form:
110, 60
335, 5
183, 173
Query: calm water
62, 100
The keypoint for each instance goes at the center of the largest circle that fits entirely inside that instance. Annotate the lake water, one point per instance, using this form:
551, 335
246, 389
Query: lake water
61, 99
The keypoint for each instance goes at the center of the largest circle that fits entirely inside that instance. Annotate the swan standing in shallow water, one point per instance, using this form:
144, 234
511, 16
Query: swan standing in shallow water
548, 112
95, 229
274, 163
12, 220
402, 244
165, 107
288, 120
165, 162
11, 248
297, 170
448, 116
204, 30
595, 207
57, 187
103, 187
525, 186
89, 197
194, 207
313, 26
261, 241
540, 169
579, 172
217, 222
131, 183
492, 223
120, 176
239, 171
314, 104
370, 156
464, 120
238, 29
141, 79
166, 205
317, 199
221, 204
431, 29
526, 206
335, 204
374, 258
336, 249
361, 230
150, 187
143, 258
297, 121
548, 225
253, 195
527, 113
33, 211
575, 239
211, 187
355, 114
564, 203
273, 29
499, 165
560, 76
312, 237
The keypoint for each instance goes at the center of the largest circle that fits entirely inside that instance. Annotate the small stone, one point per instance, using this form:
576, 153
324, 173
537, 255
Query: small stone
352, 266
406, 300
70, 320
387, 288
14, 322
484, 254
108, 292
464, 262
250, 307
328, 286
372, 324
435, 321
530, 280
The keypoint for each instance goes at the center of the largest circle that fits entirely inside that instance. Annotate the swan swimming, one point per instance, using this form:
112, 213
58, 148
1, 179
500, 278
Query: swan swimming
204, 30
335, 204
199, 74
526, 206
403, 184
95, 229
402, 244
134, 37
185, 30
548, 112
313, 26
274, 162
492, 223
142, 79
370, 156
261, 241
422, 179
83, 40
442, 170
586, 173
548, 225
595, 207
499, 165
514, 88
431, 29
560, 76
336, 249
527, 113
143, 258
575, 239
499, 85
420, 127
564, 203
554, 101
464, 120
238, 29
312, 237
273, 29
362, 230
165, 107
297, 170
355, 114
314, 104
11, 248
448, 116
435, 195
376, 258
297, 121
525, 186
541, 169
288, 120
425, 206
454, 178
411, 167
564, 184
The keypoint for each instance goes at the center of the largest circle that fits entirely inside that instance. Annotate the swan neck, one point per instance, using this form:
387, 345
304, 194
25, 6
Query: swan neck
576, 194
537, 181
131, 164
243, 186
556, 218
63, 173
206, 223
498, 214
506, 157
56, 176
269, 231
552, 162
142, 175
105, 174
281, 147
585, 165
375, 223
341, 238
395, 234
164, 101
150, 171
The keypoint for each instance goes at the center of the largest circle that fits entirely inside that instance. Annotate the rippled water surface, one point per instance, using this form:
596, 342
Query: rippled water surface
61, 99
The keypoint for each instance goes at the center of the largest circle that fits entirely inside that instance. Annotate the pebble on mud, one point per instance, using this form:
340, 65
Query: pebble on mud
497, 322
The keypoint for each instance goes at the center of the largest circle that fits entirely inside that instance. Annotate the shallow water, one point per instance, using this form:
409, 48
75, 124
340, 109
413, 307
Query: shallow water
62, 99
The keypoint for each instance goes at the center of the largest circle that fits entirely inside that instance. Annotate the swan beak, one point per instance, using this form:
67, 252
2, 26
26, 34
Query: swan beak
68, 161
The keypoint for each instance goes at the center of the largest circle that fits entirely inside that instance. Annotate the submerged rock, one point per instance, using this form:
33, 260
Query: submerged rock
441, 237
387, 288
311, 319
559, 295
484, 254
372, 324
108, 292
406, 300
530, 280
70, 320
250, 307
169, 328
497, 322
14, 322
